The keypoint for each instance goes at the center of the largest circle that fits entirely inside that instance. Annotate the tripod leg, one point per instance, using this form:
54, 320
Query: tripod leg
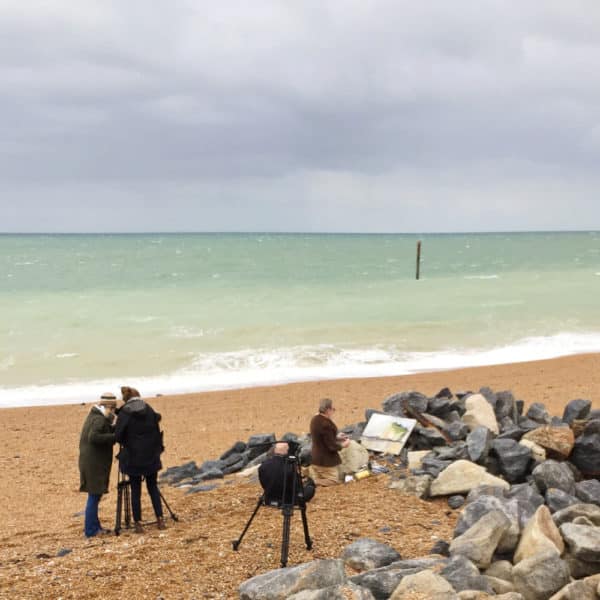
119, 507
236, 543
162, 498
127, 496
285, 536
307, 539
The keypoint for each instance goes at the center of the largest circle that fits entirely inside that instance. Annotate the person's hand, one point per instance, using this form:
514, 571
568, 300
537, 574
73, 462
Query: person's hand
345, 442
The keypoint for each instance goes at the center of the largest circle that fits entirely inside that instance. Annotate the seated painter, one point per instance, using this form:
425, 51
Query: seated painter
277, 476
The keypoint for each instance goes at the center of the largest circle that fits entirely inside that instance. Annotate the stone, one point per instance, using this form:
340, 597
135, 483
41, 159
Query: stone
566, 515
462, 574
415, 485
434, 466
586, 451
552, 474
557, 499
432, 586
500, 586
505, 406
576, 409
528, 500
259, 444
479, 442
540, 534
282, 583
441, 547
514, 459
461, 477
577, 590
440, 407
540, 576
457, 430
456, 451
537, 412
501, 569
427, 437
588, 491
557, 441
579, 568
538, 454
365, 554
583, 541
486, 490
480, 541
479, 412
415, 458
237, 448
394, 404
345, 591
456, 501
383, 581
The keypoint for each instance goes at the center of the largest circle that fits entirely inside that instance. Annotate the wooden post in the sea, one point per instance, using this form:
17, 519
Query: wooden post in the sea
418, 258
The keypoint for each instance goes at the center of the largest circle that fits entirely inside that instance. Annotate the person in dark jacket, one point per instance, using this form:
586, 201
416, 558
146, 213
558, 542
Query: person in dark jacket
140, 437
95, 459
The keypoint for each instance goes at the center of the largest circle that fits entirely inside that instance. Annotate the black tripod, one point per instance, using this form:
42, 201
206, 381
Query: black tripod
292, 495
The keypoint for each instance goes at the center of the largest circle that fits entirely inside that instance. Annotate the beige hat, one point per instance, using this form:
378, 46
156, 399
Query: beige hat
108, 399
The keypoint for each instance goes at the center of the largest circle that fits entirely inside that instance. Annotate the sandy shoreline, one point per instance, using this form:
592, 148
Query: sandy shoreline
38, 468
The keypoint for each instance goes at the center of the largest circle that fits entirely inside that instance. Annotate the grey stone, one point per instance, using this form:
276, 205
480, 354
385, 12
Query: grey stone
441, 547
426, 437
345, 591
282, 583
440, 407
512, 433
505, 406
237, 448
383, 581
480, 541
201, 488
479, 442
540, 576
501, 569
588, 491
456, 501
527, 424
576, 409
500, 586
462, 574
553, 474
576, 590
586, 451
365, 554
394, 404
528, 498
434, 466
484, 505
557, 499
537, 412
457, 451
580, 568
566, 515
415, 485
486, 490
583, 541
514, 459
457, 430
259, 444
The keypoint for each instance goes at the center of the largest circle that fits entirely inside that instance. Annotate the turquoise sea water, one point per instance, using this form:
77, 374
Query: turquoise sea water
186, 312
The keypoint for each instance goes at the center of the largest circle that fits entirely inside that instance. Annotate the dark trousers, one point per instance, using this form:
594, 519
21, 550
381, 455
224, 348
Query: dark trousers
136, 495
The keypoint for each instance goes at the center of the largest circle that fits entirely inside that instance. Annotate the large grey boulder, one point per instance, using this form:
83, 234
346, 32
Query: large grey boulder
259, 444
539, 535
540, 576
482, 506
383, 581
282, 583
365, 554
345, 591
537, 412
514, 459
480, 541
557, 499
583, 541
576, 410
588, 491
553, 474
528, 498
567, 515
462, 574
395, 403
461, 477
479, 442
586, 452
425, 583
506, 406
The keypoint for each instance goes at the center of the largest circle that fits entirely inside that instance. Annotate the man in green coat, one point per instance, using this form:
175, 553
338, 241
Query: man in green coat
95, 459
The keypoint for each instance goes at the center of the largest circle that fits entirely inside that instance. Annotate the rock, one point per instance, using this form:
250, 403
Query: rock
282, 583
415, 458
505, 406
577, 590
566, 515
586, 451
456, 451
539, 535
479, 412
540, 576
383, 581
440, 407
457, 430
480, 541
174, 475
479, 442
394, 405
579, 568
588, 491
201, 488
512, 433
456, 501
583, 541
537, 412
576, 409
462, 574
557, 499
538, 454
486, 490
528, 500
427, 437
500, 586
501, 569
259, 444
346, 591
557, 441
527, 424
432, 586
237, 448
441, 547
63, 552
462, 476
485, 504
434, 466
415, 485
365, 554
514, 459
552, 474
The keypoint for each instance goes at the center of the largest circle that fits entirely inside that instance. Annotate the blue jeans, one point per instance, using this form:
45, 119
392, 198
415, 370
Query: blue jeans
92, 524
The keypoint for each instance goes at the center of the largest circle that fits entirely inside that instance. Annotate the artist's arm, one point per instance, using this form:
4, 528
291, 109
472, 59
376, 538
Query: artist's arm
329, 437
99, 436
121, 427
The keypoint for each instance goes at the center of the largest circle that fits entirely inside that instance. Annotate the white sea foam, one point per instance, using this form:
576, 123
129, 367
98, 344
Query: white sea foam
253, 367
67, 355
481, 277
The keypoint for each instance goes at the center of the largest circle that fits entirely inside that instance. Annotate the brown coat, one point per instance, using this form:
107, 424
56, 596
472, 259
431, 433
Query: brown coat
325, 445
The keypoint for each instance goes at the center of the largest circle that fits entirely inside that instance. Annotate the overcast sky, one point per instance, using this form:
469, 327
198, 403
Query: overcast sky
299, 116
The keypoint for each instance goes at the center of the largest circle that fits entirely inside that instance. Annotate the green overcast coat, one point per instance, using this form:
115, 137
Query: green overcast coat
95, 453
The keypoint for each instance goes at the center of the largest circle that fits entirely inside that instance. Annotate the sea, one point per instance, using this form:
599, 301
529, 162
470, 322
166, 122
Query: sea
169, 313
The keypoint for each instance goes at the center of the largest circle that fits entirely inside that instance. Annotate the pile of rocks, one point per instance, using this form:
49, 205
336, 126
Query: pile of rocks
530, 525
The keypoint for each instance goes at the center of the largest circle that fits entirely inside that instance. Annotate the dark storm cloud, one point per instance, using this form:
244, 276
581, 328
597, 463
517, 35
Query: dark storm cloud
307, 111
